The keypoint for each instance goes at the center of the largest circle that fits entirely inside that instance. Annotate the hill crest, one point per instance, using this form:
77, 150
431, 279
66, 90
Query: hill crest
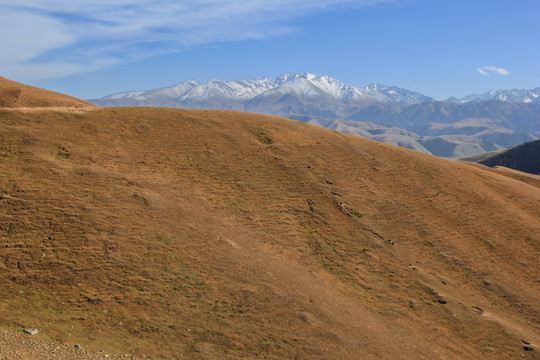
14, 95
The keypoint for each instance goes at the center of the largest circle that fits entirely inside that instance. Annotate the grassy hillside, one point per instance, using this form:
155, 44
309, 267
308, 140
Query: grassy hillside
482, 156
29, 98
218, 234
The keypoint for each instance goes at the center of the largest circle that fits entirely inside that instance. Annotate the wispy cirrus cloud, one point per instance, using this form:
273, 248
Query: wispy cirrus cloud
488, 70
52, 38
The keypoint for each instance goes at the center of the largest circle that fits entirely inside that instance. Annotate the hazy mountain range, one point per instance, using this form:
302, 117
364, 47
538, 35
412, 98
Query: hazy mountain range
452, 128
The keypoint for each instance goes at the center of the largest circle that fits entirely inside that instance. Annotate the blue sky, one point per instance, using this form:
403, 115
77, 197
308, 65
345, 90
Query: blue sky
440, 48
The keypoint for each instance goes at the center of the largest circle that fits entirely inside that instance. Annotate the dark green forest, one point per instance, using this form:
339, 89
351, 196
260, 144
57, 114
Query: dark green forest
525, 157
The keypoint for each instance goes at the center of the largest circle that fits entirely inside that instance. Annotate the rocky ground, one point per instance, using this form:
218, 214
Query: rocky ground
19, 345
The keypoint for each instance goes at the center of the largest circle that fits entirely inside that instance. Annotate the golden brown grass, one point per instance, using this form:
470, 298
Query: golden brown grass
31, 99
228, 235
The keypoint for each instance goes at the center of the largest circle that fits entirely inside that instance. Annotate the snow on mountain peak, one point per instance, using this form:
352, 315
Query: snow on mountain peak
399, 95
515, 95
308, 86
303, 85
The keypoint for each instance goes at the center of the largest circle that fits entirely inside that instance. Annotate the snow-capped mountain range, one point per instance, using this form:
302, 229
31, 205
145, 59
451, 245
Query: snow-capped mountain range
310, 87
515, 95
306, 86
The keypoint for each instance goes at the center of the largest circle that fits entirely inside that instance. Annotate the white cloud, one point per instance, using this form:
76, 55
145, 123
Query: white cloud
67, 37
29, 35
483, 72
486, 70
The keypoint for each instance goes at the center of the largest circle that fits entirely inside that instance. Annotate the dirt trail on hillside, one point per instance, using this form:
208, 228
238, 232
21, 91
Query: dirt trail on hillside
51, 108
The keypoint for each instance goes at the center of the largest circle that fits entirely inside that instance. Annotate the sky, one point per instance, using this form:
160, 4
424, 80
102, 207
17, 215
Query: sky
440, 48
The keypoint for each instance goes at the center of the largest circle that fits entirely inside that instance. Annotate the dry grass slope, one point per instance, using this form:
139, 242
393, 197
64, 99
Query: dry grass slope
225, 235
28, 98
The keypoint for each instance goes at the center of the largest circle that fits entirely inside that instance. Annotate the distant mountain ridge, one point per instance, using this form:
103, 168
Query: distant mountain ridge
305, 85
453, 128
515, 95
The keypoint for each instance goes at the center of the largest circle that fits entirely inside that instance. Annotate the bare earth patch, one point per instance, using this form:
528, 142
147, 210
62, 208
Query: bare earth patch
81, 109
